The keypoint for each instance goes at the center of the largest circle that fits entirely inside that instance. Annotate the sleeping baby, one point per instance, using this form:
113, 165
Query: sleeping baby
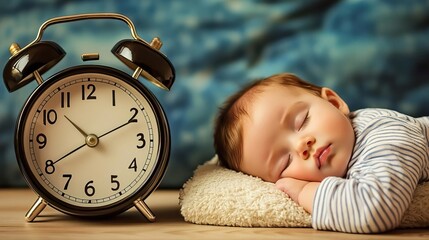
353, 171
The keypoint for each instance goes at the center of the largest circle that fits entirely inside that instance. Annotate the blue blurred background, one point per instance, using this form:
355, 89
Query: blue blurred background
374, 53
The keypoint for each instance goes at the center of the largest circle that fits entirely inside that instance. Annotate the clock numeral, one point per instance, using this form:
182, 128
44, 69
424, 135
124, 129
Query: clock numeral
65, 99
49, 116
89, 189
41, 140
91, 89
69, 177
133, 119
113, 98
49, 167
133, 165
142, 140
114, 181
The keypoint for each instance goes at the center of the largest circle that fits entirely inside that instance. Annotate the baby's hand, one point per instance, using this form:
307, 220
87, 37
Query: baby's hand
302, 192
291, 187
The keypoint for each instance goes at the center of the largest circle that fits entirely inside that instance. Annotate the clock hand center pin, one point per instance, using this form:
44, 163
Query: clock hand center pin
91, 140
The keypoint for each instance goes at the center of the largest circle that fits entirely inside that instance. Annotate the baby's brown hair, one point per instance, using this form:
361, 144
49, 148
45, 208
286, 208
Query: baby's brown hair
228, 129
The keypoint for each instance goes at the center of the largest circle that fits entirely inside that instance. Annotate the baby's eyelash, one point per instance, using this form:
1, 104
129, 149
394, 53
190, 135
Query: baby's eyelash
289, 160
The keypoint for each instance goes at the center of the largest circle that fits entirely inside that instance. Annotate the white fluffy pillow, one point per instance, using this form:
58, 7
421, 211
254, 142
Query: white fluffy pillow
219, 196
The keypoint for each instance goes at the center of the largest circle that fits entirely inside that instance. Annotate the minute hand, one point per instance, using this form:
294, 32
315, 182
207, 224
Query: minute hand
123, 125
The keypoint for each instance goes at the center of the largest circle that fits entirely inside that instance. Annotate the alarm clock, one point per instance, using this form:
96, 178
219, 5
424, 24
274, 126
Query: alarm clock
91, 140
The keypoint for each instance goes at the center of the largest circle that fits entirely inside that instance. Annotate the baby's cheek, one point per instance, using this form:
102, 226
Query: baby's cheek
296, 170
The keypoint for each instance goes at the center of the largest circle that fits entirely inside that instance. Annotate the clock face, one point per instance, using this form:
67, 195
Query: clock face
90, 139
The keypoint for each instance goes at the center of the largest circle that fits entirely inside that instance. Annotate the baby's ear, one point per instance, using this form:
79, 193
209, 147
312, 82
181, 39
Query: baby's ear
332, 97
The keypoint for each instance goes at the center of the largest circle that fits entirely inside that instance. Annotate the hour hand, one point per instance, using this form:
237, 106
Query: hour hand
77, 127
91, 140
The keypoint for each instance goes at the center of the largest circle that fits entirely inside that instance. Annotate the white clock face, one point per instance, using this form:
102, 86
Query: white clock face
91, 140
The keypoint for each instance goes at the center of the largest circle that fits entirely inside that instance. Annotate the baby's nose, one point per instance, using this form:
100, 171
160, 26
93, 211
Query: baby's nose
305, 147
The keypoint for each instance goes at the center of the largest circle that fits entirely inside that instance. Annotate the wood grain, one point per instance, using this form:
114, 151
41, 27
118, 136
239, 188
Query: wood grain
51, 224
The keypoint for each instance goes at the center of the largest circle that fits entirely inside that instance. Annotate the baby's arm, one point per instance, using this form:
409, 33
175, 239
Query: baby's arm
302, 192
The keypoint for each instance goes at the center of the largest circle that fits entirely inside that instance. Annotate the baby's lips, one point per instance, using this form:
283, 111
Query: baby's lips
324, 155
321, 155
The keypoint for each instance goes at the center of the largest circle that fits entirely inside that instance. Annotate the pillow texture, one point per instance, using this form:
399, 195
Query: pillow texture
219, 196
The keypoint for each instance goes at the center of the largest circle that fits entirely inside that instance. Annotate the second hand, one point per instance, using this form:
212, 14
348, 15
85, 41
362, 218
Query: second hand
81, 146
115, 129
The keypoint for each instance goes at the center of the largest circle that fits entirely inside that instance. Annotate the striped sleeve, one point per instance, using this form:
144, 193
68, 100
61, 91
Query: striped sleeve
380, 185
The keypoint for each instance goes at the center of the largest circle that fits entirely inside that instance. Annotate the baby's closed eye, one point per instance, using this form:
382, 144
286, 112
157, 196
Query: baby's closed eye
302, 120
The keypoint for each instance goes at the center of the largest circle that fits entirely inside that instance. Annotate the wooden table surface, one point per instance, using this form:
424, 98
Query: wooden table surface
51, 224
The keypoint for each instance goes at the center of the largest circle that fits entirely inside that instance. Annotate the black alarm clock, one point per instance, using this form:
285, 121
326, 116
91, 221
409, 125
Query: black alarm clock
91, 140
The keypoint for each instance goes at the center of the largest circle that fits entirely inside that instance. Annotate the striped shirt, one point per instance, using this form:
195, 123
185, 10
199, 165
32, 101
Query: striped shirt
390, 157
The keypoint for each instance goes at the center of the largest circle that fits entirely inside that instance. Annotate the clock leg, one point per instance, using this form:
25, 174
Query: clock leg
34, 211
144, 209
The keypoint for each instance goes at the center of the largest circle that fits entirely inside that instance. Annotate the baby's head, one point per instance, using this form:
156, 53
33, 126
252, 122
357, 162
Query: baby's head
265, 128
228, 133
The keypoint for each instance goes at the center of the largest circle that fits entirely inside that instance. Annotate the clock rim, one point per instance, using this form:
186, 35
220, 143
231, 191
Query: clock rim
142, 192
